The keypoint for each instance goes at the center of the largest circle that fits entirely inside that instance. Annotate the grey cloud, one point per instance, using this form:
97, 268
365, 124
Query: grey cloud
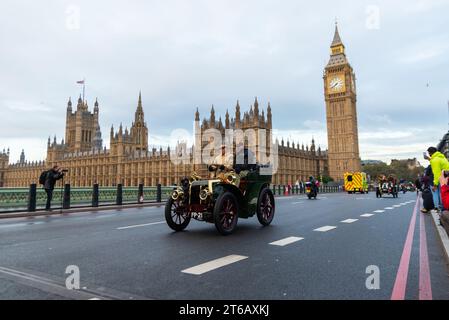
188, 54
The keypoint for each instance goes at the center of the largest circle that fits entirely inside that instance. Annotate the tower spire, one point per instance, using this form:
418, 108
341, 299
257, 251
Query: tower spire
139, 103
337, 39
139, 116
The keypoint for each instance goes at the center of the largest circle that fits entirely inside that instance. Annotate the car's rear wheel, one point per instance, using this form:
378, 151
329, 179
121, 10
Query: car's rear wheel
265, 207
177, 218
226, 213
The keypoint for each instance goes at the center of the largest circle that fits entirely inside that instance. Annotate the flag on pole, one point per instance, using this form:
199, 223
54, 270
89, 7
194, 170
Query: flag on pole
80, 82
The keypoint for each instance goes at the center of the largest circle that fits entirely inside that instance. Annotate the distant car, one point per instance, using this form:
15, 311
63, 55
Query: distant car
222, 200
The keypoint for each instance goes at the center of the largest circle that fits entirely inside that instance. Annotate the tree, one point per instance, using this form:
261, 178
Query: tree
407, 170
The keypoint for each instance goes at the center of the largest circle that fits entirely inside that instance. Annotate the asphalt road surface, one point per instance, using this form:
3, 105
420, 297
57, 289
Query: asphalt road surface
315, 249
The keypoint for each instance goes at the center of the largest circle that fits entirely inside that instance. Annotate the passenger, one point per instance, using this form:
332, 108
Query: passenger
224, 160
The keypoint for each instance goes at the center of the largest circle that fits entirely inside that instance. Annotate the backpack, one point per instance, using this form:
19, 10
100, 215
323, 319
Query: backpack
427, 199
43, 177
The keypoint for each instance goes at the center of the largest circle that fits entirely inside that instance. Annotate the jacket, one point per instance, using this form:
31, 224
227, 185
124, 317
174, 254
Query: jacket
438, 162
50, 180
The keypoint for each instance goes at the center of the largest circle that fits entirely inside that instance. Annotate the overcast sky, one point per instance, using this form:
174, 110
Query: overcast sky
187, 54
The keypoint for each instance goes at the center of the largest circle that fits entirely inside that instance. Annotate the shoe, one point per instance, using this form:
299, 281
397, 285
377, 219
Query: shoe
424, 210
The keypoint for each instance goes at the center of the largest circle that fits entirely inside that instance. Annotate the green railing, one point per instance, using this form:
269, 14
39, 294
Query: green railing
17, 199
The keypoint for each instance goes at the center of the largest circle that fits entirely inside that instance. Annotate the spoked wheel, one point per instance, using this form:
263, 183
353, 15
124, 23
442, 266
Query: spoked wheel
176, 217
226, 213
265, 207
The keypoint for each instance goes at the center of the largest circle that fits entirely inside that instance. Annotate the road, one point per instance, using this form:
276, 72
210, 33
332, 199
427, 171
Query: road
313, 250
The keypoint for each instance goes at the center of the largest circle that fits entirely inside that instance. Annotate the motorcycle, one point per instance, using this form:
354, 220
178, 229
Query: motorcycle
311, 190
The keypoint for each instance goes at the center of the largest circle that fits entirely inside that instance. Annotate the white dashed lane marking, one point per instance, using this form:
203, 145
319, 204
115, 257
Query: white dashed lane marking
214, 264
349, 220
325, 228
286, 241
389, 208
396, 206
379, 211
140, 225
367, 215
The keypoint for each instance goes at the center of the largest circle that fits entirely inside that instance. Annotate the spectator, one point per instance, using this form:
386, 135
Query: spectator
426, 185
53, 175
438, 162
418, 184
444, 185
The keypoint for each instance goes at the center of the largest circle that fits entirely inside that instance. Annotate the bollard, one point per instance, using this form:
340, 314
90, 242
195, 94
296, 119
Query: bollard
119, 199
95, 193
279, 190
159, 193
32, 198
66, 197
274, 189
140, 193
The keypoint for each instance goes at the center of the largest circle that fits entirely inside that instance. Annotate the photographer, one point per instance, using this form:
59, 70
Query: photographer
53, 175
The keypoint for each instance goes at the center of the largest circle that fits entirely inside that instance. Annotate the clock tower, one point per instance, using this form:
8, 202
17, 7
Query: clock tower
341, 112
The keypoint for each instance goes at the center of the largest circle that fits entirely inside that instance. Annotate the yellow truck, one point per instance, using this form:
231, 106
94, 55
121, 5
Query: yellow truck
356, 182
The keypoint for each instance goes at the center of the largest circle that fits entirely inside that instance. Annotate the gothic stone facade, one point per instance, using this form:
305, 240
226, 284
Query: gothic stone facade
295, 163
341, 112
130, 162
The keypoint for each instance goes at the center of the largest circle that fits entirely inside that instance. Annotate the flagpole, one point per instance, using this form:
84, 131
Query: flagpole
84, 88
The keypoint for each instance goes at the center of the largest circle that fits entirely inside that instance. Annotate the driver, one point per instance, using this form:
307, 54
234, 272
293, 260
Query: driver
227, 161
314, 183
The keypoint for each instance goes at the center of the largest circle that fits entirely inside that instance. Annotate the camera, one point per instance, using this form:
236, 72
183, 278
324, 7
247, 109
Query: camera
446, 174
65, 170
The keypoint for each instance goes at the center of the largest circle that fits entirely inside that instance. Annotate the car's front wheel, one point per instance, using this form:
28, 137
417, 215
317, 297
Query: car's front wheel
177, 218
226, 213
265, 207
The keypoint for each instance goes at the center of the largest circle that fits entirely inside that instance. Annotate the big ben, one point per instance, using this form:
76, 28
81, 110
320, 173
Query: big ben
341, 112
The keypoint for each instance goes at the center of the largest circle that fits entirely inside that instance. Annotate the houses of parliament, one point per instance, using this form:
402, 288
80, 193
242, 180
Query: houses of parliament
130, 161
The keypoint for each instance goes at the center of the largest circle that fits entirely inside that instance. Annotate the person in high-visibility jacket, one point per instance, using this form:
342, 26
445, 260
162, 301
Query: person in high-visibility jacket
438, 162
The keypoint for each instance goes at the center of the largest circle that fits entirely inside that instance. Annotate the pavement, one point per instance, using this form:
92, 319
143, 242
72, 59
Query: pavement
337, 247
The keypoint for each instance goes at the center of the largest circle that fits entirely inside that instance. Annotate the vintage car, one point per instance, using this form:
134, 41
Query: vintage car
223, 199
387, 186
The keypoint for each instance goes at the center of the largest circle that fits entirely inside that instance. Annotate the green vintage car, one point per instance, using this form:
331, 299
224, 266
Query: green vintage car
222, 200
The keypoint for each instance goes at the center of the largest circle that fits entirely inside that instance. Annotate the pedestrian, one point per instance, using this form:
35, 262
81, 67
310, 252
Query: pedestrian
444, 185
52, 176
418, 184
427, 195
438, 162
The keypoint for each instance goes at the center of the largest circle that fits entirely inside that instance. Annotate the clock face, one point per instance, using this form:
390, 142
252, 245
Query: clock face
336, 84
